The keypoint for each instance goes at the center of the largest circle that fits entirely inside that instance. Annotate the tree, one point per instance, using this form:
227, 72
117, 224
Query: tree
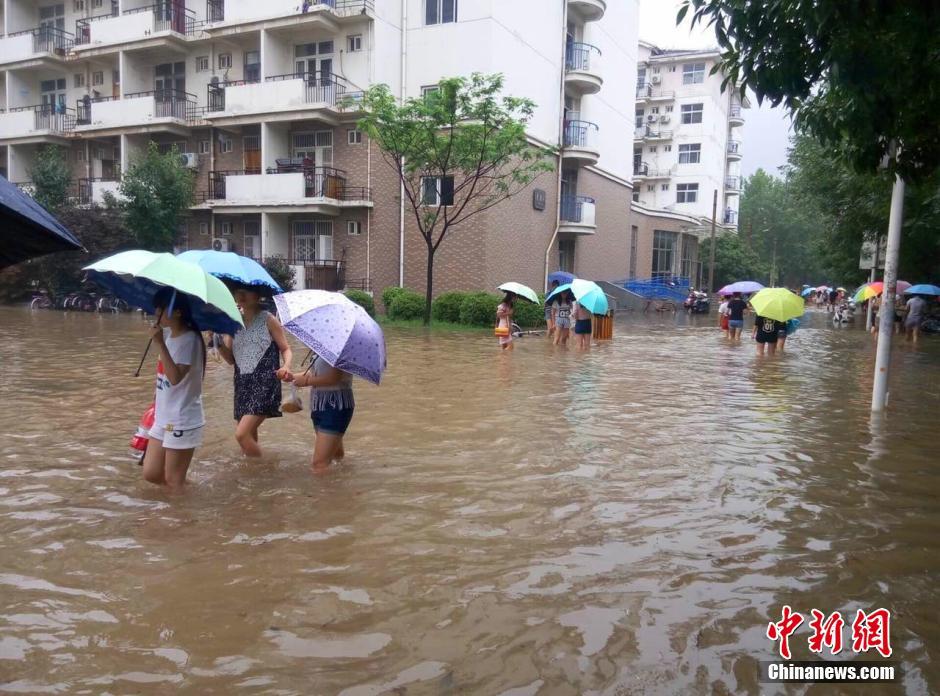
859, 75
735, 260
156, 192
51, 178
458, 151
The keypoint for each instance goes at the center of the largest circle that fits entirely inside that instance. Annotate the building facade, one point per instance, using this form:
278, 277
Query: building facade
259, 100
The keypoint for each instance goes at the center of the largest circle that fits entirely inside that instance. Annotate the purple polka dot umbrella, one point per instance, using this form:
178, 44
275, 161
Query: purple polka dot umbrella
336, 329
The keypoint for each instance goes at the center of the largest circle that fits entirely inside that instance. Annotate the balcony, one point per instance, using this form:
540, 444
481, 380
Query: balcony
36, 122
580, 142
730, 217
240, 11
734, 150
153, 21
736, 115
588, 10
35, 44
652, 133
582, 69
95, 190
650, 93
320, 274
294, 182
577, 215
733, 184
644, 172
281, 96
141, 109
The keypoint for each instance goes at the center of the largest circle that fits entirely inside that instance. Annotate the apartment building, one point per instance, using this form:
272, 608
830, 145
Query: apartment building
260, 100
686, 147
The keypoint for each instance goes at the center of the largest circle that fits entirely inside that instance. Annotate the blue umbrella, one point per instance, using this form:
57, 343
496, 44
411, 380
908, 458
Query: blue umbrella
561, 276
807, 292
229, 266
27, 229
588, 294
923, 289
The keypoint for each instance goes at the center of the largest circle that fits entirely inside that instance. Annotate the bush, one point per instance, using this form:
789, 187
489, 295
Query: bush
446, 307
363, 299
389, 294
528, 315
282, 272
479, 309
406, 305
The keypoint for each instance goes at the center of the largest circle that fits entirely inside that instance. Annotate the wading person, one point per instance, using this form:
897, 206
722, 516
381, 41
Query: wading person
262, 357
562, 311
583, 326
178, 416
767, 332
736, 309
549, 314
723, 315
504, 321
914, 315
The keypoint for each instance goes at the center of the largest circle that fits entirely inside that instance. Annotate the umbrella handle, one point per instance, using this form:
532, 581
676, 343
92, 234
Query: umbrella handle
143, 357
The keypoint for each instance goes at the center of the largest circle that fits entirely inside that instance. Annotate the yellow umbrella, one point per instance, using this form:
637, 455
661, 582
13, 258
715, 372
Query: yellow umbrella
778, 304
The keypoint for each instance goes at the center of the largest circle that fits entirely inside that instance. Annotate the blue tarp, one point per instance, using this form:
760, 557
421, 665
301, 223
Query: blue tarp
27, 229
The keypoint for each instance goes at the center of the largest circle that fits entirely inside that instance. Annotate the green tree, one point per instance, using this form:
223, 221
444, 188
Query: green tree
735, 260
51, 178
858, 75
156, 192
459, 151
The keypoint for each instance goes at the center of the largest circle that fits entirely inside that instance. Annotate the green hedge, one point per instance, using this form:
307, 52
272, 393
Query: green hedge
479, 309
389, 294
446, 307
363, 299
528, 315
406, 305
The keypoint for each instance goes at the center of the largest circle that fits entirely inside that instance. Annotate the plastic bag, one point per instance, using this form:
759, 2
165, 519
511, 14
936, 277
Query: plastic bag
293, 403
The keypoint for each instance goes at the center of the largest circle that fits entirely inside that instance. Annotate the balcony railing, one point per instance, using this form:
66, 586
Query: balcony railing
319, 182
171, 15
572, 208
731, 217
49, 40
216, 93
578, 56
652, 133
50, 117
647, 91
86, 187
734, 147
215, 9
736, 111
321, 274
319, 87
733, 183
168, 103
579, 133
641, 169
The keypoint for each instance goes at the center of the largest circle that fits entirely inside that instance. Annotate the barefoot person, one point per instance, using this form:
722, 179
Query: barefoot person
549, 311
504, 321
736, 308
262, 357
583, 326
331, 409
914, 316
562, 313
767, 332
178, 415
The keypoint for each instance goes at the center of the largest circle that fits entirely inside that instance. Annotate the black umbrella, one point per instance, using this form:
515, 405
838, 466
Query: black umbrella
27, 229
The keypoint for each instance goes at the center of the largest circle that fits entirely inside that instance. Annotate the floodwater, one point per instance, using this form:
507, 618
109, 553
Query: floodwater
620, 522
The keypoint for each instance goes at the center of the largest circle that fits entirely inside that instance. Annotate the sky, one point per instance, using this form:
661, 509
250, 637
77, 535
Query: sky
766, 130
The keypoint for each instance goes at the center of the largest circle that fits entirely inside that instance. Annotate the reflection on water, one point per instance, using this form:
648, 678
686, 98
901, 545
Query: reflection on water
543, 522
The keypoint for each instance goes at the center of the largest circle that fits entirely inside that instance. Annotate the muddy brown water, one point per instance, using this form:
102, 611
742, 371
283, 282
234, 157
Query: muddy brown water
624, 521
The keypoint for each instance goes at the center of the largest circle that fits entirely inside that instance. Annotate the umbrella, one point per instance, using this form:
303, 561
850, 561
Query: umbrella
807, 292
870, 290
588, 294
923, 289
822, 288
27, 229
561, 276
336, 329
136, 276
778, 304
745, 287
231, 266
521, 290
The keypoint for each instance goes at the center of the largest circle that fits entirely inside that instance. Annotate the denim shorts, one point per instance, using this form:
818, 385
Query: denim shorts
332, 421
736, 323
582, 326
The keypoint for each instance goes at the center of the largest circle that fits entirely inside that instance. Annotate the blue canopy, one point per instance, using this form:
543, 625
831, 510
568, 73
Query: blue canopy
226, 265
562, 277
27, 229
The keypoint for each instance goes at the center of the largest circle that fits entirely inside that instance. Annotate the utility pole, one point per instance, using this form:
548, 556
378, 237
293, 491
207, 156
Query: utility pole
711, 261
871, 279
879, 395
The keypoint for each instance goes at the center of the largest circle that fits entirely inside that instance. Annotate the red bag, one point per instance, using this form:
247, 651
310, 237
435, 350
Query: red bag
139, 441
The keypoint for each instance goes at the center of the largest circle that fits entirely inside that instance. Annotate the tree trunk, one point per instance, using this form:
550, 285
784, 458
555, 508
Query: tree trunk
429, 286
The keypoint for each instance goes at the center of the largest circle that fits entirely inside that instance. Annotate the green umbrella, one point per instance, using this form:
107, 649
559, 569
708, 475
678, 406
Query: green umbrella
523, 291
778, 304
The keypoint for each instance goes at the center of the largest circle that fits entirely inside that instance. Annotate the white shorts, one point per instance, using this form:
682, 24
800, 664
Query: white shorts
177, 439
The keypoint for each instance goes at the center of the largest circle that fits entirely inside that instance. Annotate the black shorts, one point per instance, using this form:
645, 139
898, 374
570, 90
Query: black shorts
582, 326
766, 337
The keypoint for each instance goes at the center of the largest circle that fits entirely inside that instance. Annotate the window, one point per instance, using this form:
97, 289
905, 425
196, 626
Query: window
692, 113
672, 68
225, 229
669, 109
664, 252
636, 196
97, 4
225, 145
353, 228
665, 187
80, 155
205, 147
686, 193
203, 228
440, 11
428, 90
693, 73
667, 148
654, 110
437, 190
354, 43
690, 154
225, 61
656, 71
653, 149
650, 188
79, 80
313, 240
78, 5
640, 113
354, 137
202, 63
97, 78
640, 78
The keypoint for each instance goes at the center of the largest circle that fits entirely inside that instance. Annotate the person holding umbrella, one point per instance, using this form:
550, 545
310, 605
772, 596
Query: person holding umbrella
773, 307
504, 321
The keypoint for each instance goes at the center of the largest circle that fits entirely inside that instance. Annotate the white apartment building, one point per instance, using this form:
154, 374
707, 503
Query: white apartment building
259, 97
687, 142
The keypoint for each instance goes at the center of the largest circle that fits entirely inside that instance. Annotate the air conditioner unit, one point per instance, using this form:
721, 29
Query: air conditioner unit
220, 244
651, 118
189, 160
655, 80
665, 118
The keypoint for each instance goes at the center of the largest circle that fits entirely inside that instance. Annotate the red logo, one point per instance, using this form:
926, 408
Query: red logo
871, 631
783, 629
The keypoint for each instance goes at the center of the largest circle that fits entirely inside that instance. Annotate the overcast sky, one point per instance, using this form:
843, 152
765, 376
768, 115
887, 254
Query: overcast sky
766, 130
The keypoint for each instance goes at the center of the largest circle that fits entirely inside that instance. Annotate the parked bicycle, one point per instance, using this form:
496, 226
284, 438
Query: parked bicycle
42, 300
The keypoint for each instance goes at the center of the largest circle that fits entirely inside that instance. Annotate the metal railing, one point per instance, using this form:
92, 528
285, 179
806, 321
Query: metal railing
50, 117
83, 25
579, 133
215, 93
578, 56
734, 147
170, 15
733, 183
49, 39
651, 132
731, 217
85, 188
168, 103
736, 111
647, 91
319, 182
319, 87
572, 207
641, 169
664, 286
215, 9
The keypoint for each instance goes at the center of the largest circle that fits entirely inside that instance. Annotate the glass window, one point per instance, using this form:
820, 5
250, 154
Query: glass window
664, 252
692, 113
97, 77
640, 78
440, 11
225, 61
686, 193
640, 113
204, 147
354, 228
354, 43
437, 190
202, 64
354, 137
693, 73
665, 187
690, 154
226, 145
79, 79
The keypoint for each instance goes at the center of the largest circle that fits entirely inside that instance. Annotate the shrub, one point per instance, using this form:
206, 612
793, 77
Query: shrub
528, 315
282, 272
389, 294
363, 299
407, 305
446, 307
479, 309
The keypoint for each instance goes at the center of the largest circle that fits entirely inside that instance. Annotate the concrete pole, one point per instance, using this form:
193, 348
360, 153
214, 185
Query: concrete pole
879, 396
871, 279
711, 261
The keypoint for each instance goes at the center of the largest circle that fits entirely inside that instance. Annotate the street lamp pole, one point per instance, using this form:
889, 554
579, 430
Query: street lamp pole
711, 261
